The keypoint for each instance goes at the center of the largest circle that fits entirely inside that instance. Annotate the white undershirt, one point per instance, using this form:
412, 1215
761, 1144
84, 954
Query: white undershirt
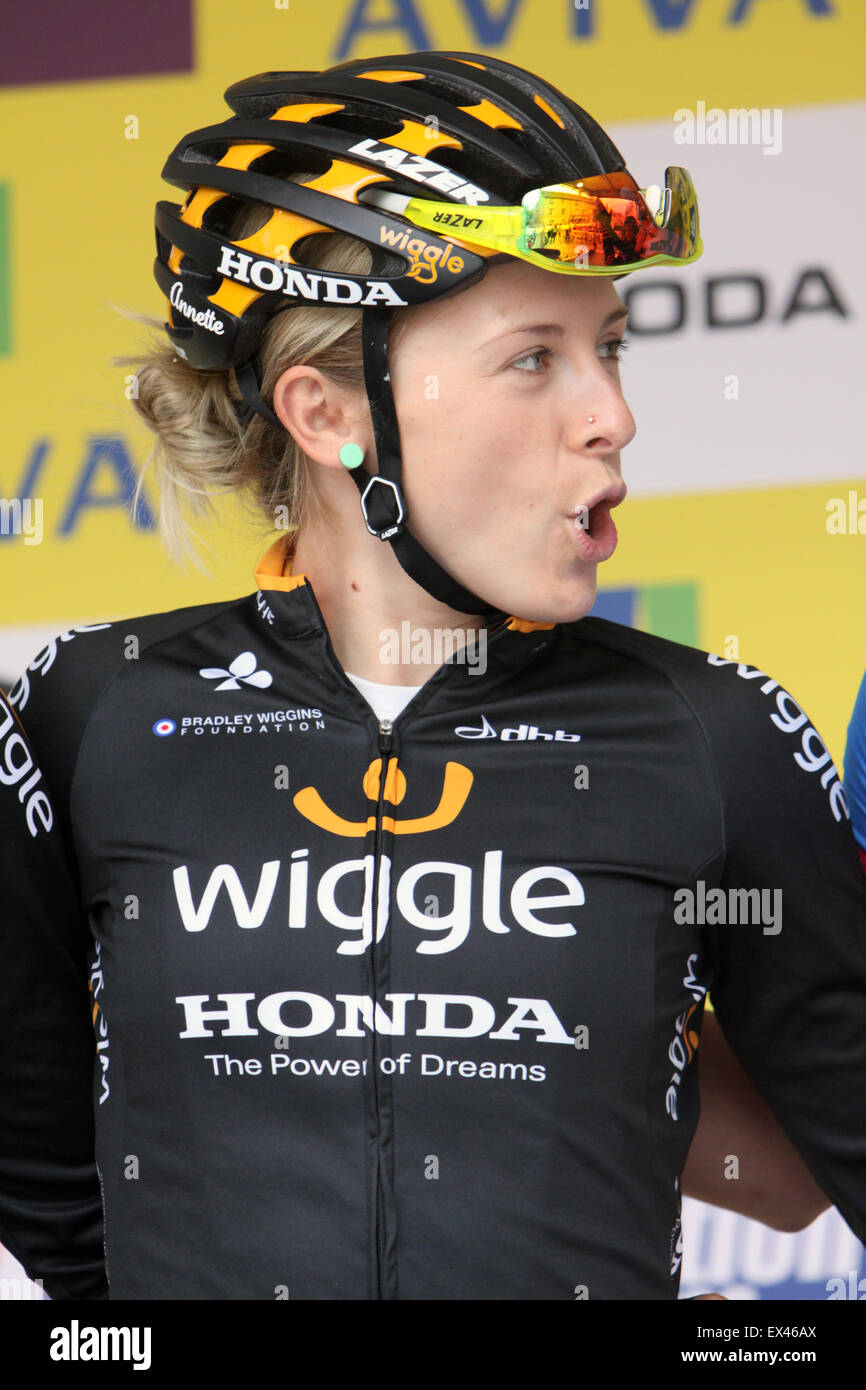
386, 701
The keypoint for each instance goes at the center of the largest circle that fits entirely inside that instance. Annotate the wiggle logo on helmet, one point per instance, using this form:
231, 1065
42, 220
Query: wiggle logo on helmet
426, 258
422, 170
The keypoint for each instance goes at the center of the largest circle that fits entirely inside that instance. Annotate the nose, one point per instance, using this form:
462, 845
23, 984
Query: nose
602, 422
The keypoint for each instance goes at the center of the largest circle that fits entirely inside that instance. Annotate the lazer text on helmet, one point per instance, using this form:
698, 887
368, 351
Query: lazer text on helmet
422, 170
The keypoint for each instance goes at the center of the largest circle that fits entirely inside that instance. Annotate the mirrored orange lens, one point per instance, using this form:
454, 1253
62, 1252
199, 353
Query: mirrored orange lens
605, 220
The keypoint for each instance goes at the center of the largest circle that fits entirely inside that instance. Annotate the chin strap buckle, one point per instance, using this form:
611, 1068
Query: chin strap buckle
388, 524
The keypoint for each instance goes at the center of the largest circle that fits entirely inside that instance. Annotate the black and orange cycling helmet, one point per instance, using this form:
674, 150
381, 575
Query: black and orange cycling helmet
441, 162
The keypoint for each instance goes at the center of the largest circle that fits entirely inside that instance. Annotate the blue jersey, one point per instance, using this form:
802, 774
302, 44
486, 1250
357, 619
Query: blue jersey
855, 767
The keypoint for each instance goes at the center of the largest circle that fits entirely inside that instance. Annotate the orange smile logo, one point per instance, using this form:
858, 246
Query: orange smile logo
456, 785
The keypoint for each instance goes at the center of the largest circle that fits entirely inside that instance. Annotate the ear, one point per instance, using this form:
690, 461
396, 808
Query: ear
320, 414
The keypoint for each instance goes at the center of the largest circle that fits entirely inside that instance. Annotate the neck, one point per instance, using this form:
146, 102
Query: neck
383, 626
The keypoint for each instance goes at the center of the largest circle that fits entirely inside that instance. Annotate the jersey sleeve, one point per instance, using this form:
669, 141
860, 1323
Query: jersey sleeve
790, 989
855, 767
50, 1199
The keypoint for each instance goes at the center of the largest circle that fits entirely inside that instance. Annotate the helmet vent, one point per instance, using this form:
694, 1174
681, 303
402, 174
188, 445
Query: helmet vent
207, 151
521, 138
299, 163
204, 282
457, 93
375, 127
222, 216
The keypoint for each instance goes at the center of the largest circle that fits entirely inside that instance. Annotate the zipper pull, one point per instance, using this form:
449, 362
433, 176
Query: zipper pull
385, 729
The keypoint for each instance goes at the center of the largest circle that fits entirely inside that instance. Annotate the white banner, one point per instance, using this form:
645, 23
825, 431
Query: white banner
753, 376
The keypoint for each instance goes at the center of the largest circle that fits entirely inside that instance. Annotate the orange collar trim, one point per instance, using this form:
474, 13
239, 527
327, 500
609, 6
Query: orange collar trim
274, 571
524, 625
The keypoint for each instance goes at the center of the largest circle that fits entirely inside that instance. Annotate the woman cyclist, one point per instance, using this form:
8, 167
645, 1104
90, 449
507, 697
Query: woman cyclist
397, 960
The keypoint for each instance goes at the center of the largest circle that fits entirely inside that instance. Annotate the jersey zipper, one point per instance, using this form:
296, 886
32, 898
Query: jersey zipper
385, 738
384, 1280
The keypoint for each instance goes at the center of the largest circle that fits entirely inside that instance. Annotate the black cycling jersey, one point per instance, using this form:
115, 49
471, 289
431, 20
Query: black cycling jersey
488, 1093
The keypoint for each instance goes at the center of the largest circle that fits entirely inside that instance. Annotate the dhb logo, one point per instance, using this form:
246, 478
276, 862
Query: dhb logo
523, 733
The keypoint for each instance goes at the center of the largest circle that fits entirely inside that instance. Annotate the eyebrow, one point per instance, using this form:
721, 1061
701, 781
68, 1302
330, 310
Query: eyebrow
612, 317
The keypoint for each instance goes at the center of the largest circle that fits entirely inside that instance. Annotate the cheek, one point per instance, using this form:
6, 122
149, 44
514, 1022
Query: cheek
436, 408
469, 442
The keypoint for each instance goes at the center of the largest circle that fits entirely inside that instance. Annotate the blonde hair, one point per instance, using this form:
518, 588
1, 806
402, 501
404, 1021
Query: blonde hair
202, 448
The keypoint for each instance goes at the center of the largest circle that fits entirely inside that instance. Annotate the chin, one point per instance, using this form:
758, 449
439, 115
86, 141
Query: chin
570, 613
572, 603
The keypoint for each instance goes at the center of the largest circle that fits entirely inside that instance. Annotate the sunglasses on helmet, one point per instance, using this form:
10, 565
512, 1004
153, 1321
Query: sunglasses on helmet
602, 225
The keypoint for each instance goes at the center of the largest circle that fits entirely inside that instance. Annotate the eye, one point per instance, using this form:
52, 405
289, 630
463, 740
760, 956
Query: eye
622, 344
540, 353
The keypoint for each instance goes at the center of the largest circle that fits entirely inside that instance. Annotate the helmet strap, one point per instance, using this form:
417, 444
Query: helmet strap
249, 379
382, 502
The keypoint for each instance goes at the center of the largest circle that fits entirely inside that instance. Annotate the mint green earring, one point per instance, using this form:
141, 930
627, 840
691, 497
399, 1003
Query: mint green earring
351, 455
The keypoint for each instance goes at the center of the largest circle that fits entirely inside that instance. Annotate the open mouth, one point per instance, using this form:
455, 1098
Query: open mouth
594, 532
